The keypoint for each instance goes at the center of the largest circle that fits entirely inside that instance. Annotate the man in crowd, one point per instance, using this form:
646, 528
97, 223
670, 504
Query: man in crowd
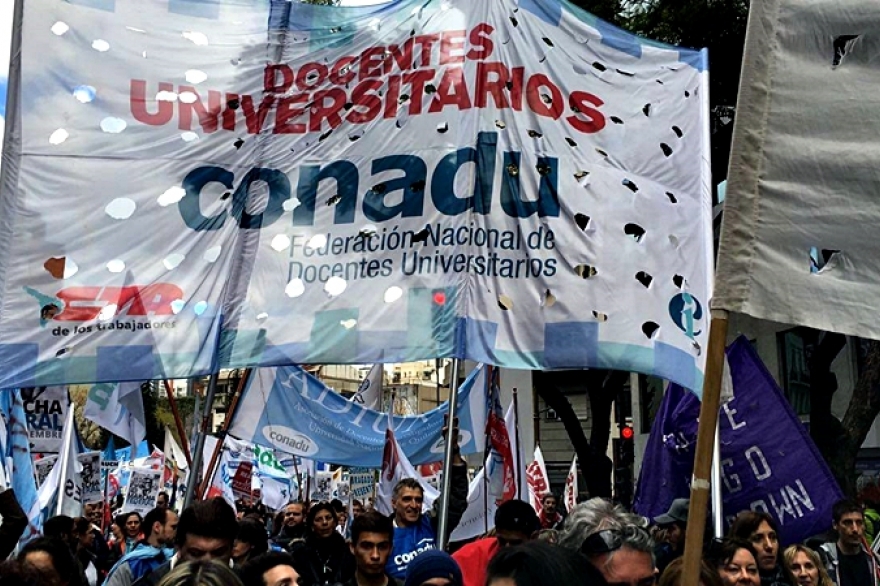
372, 535
294, 525
160, 529
551, 518
414, 532
357, 508
206, 531
162, 500
614, 540
274, 568
515, 523
673, 524
849, 560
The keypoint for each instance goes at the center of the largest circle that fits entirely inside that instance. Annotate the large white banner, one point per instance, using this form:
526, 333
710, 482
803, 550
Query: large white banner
190, 185
798, 244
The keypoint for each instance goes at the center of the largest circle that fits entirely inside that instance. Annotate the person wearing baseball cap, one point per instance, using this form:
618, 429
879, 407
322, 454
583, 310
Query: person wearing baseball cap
433, 568
674, 525
515, 523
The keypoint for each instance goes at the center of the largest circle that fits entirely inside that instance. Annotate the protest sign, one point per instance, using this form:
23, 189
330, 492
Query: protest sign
46, 410
143, 490
768, 461
92, 487
43, 467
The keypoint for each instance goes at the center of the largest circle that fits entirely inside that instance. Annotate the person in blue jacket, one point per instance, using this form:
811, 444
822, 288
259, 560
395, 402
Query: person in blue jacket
416, 532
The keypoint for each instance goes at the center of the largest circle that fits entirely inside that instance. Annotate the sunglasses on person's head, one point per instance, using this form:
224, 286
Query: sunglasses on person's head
608, 540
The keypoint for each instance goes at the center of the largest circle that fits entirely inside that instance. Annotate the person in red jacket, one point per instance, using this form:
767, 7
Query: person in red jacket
515, 523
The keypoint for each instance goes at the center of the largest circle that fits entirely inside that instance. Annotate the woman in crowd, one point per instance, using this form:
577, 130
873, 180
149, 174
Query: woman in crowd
735, 561
806, 566
251, 541
761, 531
53, 556
324, 555
85, 540
672, 574
203, 573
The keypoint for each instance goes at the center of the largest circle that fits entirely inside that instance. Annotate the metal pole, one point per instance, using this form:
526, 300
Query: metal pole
199, 447
717, 502
178, 422
443, 522
518, 471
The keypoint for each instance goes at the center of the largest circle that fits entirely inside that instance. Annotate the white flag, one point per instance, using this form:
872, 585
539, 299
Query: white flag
70, 485
173, 452
274, 490
569, 496
538, 482
479, 510
118, 408
369, 393
396, 467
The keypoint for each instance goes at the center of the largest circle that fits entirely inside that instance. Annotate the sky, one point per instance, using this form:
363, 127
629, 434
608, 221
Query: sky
5, 38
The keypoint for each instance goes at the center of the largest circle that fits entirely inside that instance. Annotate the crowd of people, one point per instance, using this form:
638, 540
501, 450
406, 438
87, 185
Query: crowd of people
597, 543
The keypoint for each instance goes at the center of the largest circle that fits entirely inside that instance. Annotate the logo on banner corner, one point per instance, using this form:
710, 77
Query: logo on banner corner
290, 440
686, 312
87, 303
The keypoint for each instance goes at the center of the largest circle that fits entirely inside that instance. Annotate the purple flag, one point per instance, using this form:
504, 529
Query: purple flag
769, 463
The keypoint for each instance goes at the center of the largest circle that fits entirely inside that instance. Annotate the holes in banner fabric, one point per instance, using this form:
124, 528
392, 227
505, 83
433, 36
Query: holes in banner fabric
120, 208
58, 137
443, 128
100, 45
368, 231
841, 47
197, 38
166, 96
585, 271
392, 294
535, 134
635, 231
112, 125
820, 259
505, 302
171, 196
650, 329
334, 199
280, 242
59, 28
598, 66
116, 265
189, 136
671, 197
348, 323
500, 124
630, 185
173, 260
60, 267
212, 254
195, 76
290, 204
644, 278
625, 73
646, 109
200, 307
602, 317
421, 235
570, 142
84, 93
335, 286
667, 150
616, 120
512, 170
295, 288
678, 281
677, 131
549, 299
582, 221
317, 241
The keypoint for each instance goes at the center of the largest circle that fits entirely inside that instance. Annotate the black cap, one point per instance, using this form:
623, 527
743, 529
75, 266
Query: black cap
517, 515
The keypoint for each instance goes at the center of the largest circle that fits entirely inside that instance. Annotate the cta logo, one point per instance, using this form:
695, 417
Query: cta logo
290, 440
439, 446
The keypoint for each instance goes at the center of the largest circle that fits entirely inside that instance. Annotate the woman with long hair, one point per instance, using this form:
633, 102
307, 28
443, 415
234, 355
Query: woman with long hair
761, 531
806, 566
202, 573
734, 560
324, 555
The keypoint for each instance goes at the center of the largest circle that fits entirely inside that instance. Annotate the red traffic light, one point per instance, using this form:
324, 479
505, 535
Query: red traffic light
627, 433
439, 297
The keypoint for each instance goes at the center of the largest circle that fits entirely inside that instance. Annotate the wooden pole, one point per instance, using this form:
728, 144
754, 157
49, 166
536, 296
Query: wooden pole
451, 441
230, 414
696, 526
178, 422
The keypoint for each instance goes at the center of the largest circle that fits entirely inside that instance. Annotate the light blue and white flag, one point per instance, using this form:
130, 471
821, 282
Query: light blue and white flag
289, 409
70, 500
18, 451
118, 408
369, 393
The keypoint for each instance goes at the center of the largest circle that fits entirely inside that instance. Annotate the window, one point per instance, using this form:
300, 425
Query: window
795, 347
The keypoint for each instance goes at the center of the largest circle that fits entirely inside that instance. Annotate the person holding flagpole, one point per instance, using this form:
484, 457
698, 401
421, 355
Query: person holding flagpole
416, 532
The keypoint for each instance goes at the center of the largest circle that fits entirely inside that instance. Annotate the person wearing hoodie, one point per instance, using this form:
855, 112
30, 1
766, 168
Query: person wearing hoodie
160, 529
324, 556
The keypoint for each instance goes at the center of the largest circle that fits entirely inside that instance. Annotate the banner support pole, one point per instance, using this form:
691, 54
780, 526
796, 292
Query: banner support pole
230, 415
196, 466
451, 441
717, 500
487, 452
709, 406
178, 422
517, 474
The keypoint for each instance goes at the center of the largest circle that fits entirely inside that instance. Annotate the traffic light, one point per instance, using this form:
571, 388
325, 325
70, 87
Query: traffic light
627, 446
443, 319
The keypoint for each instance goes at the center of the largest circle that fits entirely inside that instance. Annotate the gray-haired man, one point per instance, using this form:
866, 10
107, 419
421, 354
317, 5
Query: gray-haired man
614, 540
